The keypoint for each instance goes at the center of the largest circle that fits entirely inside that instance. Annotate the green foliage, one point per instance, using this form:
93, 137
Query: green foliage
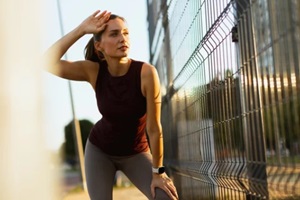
68, 148
281, 122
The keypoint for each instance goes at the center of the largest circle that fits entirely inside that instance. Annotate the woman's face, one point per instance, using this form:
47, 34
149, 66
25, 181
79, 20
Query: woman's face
115, 39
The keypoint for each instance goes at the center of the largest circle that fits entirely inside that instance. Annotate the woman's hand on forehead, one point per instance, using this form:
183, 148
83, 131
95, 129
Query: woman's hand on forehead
95, 22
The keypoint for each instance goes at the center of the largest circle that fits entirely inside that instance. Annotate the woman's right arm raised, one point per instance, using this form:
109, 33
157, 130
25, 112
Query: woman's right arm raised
78, 70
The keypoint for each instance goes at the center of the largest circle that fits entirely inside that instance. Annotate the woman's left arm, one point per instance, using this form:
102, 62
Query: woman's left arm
151, 90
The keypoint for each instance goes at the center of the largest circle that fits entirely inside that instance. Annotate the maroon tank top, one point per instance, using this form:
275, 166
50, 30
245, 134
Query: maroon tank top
121, 130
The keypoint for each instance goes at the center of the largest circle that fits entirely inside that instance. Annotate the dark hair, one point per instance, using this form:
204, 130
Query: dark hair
90, 52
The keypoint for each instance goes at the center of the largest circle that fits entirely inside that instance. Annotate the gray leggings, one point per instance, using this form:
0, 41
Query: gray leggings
100, 170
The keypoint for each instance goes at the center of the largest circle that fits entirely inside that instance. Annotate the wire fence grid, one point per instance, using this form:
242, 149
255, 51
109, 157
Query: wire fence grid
229, 71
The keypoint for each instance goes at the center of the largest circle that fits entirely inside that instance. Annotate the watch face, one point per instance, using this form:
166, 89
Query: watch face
161, 170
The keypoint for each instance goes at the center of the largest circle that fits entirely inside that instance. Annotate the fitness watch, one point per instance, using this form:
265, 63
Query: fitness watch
159, 170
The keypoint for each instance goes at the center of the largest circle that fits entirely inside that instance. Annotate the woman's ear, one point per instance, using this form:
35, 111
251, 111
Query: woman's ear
97, 46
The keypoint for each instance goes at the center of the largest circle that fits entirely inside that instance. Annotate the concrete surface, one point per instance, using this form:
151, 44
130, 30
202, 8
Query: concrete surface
128, 193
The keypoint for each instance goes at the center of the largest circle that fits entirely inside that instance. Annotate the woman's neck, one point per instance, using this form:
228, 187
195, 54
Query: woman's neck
118, 67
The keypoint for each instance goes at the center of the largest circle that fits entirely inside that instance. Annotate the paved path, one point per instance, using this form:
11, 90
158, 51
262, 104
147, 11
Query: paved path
71, 191
129, 193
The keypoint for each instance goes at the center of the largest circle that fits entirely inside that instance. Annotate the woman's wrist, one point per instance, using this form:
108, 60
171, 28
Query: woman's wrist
79, 31
155, 175
158, 170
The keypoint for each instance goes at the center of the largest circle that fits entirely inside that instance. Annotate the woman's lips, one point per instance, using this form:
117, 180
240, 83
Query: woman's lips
123, 48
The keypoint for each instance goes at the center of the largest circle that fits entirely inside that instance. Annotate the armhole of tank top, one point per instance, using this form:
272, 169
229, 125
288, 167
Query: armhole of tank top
100, 71
141, 68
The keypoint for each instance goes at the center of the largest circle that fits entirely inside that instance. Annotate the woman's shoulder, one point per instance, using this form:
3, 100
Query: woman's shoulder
148, 70
91, 71
147, 66
141, 63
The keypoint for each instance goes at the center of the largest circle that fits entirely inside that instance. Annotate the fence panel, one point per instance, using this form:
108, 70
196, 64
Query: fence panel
229, 71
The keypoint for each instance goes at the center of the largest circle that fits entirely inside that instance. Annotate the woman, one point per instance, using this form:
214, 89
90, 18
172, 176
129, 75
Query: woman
129, 99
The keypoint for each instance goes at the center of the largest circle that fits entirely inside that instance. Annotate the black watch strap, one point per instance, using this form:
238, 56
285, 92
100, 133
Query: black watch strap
159, 170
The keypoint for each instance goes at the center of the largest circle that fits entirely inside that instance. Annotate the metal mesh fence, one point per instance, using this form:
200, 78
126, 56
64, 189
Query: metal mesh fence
229, 71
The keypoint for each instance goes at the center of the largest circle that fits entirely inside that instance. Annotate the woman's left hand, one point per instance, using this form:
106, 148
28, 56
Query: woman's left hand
165, 183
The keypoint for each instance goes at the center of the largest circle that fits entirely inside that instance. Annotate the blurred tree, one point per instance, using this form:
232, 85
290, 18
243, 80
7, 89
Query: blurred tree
68, 148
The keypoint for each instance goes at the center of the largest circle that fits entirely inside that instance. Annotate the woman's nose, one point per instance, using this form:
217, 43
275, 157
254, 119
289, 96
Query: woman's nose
122, 37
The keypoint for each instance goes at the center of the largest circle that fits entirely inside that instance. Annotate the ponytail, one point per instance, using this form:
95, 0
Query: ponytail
91, 53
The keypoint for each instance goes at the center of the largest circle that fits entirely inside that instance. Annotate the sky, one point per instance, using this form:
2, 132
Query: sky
56, 91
